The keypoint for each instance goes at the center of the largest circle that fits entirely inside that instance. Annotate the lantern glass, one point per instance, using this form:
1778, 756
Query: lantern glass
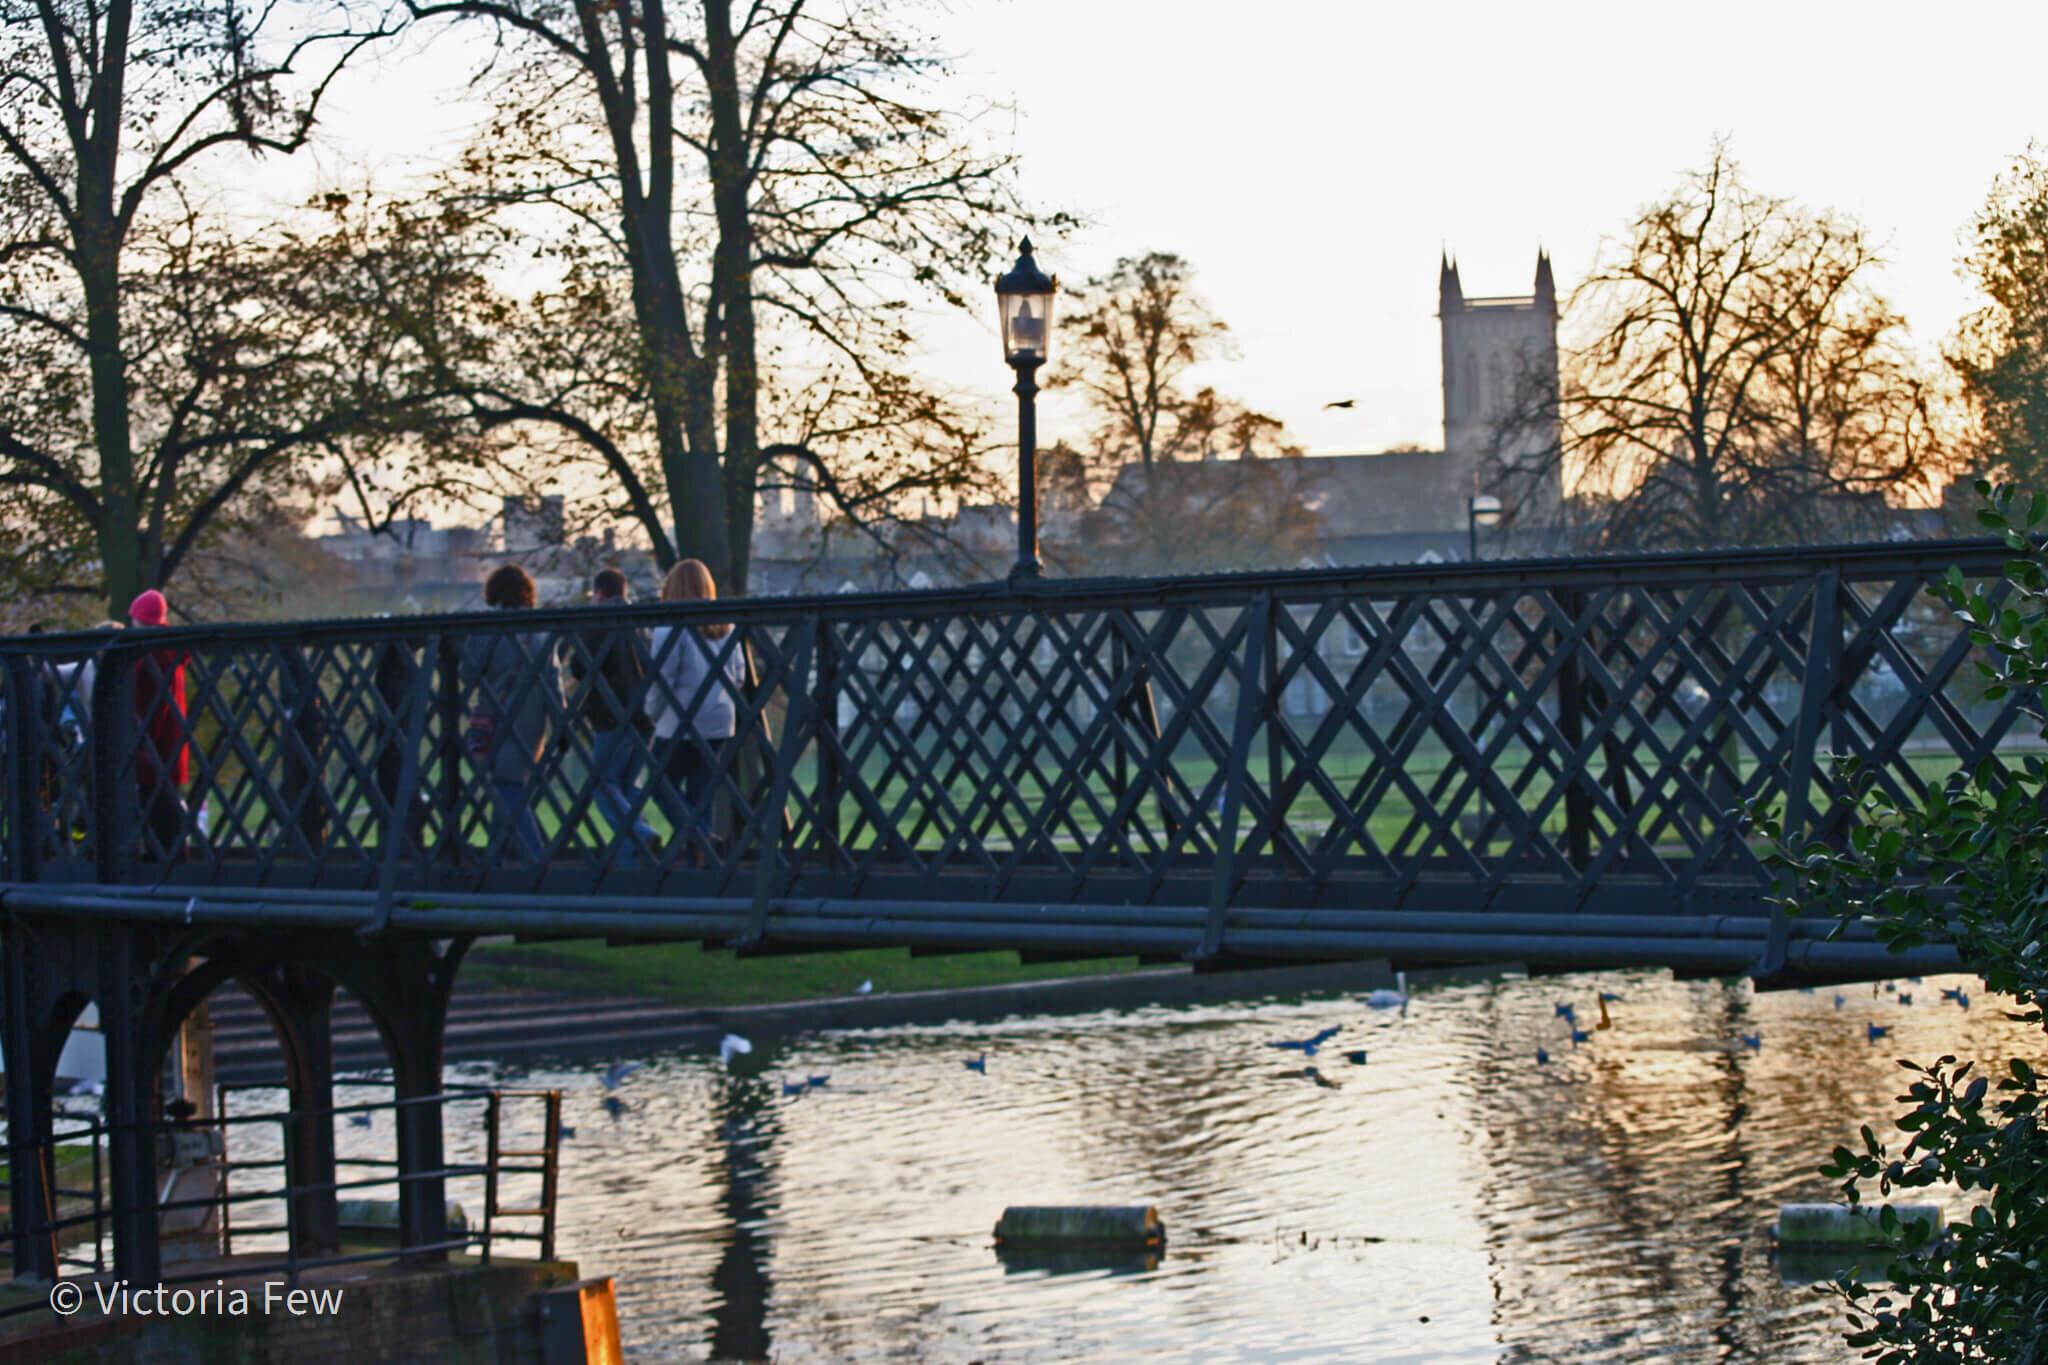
1485, 510
1027, 326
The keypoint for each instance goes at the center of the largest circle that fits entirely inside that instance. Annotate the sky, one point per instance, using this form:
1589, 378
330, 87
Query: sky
1311, 159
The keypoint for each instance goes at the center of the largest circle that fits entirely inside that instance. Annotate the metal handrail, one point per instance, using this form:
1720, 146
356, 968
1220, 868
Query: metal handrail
289, 1193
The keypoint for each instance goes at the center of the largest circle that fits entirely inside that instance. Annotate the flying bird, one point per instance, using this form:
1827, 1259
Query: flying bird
1565, 1011
1905, 997
1840, 1000
1580, 1035
567, 1131
1308, 1046
731, 1046
1878, 1031
1341, 403
618, 1073
1753, 1041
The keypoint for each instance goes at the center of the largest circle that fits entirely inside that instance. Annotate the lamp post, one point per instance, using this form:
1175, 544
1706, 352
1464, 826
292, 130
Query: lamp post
1482, 509
1024, 299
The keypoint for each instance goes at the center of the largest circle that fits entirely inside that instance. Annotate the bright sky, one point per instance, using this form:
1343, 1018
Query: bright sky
1311, 160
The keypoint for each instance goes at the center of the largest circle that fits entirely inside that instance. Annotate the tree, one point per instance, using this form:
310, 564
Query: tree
1963, 865
1140, 329
769, 193
2002, 352
1186, 480
143, 381
1744, 383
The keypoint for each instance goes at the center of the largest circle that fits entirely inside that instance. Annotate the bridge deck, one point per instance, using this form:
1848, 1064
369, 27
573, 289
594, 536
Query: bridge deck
1538, 760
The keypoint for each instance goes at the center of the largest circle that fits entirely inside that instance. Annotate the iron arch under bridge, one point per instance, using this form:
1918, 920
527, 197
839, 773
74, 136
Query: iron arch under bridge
1534, 761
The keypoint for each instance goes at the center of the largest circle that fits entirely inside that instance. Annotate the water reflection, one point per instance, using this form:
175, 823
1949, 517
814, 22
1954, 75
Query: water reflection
740, 1284
1454, 1200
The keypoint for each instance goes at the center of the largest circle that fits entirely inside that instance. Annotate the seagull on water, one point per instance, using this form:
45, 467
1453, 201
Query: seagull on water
794, 1087
1384, 999
816, 1082
1580, 1035
1356, 1056
1878, 1031
359, 1120
979, 1064
1341, 403
1753, 1041
1308, 1046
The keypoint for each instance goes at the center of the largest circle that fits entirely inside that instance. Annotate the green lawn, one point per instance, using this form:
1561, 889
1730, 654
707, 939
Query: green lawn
686, 974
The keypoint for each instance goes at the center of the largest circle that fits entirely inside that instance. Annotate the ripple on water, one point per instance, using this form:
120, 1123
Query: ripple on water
1606, 1207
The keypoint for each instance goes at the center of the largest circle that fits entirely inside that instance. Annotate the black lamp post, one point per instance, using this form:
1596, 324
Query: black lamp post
1024, 301
1482, 509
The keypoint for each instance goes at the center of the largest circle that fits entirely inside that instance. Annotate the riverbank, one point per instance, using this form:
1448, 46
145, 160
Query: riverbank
687, 974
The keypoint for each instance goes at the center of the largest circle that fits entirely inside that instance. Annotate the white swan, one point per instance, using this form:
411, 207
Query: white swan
1384, 999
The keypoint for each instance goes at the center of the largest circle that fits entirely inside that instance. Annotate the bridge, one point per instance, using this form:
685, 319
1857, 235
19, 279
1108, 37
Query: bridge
1537, 761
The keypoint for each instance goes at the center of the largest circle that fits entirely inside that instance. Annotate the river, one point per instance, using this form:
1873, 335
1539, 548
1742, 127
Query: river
1450, 1200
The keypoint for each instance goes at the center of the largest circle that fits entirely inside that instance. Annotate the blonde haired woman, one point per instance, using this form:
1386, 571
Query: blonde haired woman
701, 669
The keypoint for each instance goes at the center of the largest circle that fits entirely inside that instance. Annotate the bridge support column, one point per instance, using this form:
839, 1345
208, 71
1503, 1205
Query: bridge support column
131, 1105
418, 1015
28, 1116
307, 998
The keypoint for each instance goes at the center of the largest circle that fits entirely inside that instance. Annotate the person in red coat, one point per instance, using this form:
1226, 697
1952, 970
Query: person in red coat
162, 759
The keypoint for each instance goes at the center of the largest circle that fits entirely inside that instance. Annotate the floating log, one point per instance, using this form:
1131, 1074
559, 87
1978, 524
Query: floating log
1080, 1225
1841, 1225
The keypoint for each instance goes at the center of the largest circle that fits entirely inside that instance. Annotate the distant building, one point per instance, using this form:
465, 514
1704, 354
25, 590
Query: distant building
1499, 358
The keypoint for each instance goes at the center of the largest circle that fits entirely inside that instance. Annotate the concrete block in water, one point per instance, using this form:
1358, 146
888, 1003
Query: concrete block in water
1087, 1225
1839, 1225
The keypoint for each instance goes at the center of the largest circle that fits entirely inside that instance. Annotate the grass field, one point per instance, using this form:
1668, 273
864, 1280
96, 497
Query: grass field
685, 974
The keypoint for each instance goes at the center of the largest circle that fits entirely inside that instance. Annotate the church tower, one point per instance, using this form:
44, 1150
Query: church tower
1500, 361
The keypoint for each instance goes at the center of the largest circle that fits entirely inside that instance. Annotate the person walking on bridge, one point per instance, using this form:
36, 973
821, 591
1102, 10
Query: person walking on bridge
612, 663
508, 716
162, 757
701, 672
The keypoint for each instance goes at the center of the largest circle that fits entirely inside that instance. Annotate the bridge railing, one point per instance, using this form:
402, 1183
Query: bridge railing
1414, 737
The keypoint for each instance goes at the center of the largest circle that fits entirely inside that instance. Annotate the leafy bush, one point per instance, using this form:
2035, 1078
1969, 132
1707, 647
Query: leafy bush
1967, 865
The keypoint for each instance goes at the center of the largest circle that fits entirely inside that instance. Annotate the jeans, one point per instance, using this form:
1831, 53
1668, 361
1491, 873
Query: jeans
508, 807
693, 774
613, 754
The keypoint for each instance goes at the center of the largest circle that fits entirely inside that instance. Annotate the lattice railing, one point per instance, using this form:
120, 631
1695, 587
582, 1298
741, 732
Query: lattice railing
1554, 736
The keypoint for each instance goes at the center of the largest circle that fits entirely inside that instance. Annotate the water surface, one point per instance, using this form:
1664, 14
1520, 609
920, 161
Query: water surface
1450, 1200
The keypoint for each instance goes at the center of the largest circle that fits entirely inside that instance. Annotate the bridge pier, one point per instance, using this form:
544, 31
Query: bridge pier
29, 1107
145, 979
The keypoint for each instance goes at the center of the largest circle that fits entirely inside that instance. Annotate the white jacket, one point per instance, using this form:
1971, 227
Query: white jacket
684, 658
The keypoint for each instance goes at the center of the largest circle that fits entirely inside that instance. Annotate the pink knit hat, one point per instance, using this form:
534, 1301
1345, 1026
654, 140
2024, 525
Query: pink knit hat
148, 608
